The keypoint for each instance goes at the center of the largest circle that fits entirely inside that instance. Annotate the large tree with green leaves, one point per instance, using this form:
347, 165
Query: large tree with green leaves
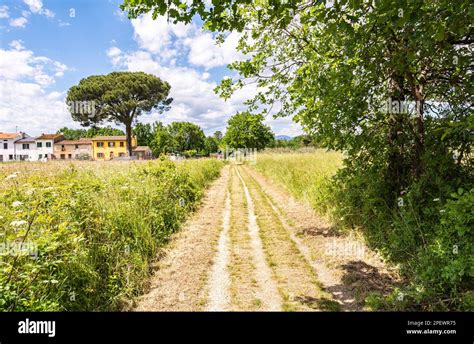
186, 136
119, 97
246, 130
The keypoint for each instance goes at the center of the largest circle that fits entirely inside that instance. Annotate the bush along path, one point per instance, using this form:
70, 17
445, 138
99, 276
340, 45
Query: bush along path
252, 247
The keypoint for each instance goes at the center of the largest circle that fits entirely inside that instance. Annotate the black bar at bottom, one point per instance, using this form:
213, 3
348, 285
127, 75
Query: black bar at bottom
224, 327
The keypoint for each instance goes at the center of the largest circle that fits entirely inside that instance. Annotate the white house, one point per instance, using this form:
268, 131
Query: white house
26, 149
7, 145
45, 145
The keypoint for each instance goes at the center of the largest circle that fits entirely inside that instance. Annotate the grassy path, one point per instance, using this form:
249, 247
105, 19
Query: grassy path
252, 247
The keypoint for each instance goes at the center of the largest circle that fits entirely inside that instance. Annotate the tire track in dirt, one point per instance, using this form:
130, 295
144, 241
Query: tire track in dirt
346, 277
244, 285
297, 280
219, 280
268, 291
179, 284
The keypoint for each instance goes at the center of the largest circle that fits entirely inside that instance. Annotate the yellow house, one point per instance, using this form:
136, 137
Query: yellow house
110, 147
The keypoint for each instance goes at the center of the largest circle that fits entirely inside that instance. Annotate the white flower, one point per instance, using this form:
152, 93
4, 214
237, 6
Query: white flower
436, 200
17, 204
18, 223
11, 176
442, 210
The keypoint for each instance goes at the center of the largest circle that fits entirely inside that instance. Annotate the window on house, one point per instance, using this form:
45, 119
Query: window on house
48, 144
63, 148
111, 144
1, 157
40, 156
10, 157
63, 156
69, 156
26, 146
5, 145
100, 155
122, 144
77, 146
39, 144
100, 144
121, 155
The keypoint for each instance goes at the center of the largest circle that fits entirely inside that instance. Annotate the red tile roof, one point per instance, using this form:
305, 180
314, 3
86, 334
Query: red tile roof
6, 136
55, 137
141, 149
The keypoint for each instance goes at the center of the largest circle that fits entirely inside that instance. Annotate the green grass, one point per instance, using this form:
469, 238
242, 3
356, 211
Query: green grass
306, 175
89, 231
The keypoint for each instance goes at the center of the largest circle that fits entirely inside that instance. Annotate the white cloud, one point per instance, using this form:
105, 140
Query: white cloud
205, 52
24, 99
19, 63
36, 6
28, 106
17, 44
4, 12
18, 22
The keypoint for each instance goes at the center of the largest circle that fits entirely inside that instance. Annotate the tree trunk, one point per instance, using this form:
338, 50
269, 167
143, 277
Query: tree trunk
419, 131
128, 131
396, 173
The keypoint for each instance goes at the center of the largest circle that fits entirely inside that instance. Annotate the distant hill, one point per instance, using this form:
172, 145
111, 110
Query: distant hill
283, 137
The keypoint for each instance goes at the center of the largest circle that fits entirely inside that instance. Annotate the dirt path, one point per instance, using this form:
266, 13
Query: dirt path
179, 283
268, 291
219, 280
252, 247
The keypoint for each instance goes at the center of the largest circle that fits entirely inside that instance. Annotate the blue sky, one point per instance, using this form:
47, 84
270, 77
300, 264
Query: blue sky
46, 46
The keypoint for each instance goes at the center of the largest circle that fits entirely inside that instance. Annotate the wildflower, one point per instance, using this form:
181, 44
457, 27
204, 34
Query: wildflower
17, 204
11, 176
18, 223
436, 200
442, 211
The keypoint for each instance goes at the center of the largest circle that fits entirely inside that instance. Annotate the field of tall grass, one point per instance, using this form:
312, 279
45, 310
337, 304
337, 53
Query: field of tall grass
306, 174
83, 235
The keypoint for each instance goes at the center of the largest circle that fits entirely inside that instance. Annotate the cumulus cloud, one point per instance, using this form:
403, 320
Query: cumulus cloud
24, 97
205, 52
4, 12
18, 22
18, 63
36, 6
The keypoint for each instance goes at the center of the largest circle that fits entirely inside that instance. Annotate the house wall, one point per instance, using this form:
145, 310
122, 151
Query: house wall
10, 151
70, 152
45, 151
31, 153
119, 149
